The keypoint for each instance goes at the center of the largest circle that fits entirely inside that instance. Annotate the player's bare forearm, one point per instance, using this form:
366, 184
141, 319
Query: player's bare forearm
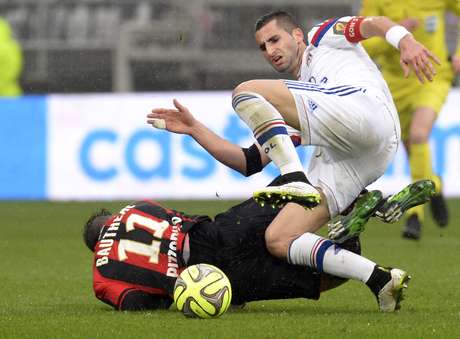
180, 120
229, 154
375, 26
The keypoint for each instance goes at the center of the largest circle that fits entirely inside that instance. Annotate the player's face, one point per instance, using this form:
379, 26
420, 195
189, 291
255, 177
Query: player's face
281, 49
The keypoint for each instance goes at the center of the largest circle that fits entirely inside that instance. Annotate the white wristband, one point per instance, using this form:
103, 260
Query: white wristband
395, 34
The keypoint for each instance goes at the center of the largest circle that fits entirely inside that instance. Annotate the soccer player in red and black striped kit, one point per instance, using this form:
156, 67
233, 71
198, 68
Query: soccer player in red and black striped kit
139, 252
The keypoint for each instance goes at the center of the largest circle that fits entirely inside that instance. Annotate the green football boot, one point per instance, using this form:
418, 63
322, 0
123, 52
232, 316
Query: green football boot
412, 195
353, 223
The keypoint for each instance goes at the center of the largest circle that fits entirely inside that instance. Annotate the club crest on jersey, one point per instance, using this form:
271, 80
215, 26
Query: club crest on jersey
339, 28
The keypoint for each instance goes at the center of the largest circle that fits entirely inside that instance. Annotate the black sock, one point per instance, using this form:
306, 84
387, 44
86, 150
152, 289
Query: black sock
380, 277
352, 245
289, 177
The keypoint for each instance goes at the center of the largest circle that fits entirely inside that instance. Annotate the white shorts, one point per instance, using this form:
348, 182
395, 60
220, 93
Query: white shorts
356, 131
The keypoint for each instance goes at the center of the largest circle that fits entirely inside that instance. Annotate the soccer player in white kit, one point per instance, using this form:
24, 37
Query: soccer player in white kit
341, 104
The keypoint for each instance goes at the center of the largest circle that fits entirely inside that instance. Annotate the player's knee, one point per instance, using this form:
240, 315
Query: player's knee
247, 86
275, 243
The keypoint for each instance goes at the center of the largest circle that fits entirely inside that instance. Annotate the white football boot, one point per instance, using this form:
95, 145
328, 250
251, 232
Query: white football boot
297, 191
390, 295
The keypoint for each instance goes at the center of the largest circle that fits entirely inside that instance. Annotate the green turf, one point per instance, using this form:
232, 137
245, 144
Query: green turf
45, 288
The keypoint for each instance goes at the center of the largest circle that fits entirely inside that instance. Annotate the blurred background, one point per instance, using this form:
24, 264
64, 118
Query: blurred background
133, 45
90, 70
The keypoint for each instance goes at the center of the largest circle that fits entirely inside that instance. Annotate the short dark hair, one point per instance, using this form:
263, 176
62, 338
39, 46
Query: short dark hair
284, 19
93, 226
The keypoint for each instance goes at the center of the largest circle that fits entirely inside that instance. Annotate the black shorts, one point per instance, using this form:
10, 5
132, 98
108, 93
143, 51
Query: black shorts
235, 243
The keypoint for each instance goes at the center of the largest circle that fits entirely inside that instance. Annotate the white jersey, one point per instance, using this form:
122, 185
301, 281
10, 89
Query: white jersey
345, 109
332, 60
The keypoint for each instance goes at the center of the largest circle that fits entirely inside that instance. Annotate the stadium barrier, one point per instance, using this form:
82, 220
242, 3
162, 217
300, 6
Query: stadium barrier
91, 147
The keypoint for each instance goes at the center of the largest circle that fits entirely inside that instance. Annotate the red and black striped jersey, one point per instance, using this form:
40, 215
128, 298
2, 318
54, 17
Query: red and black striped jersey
139, 256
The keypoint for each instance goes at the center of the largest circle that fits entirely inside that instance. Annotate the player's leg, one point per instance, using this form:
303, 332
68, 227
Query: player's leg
421, 167
247, 262
292, 221
340, 176
427, 101
267, 106
420, 159
420, 163
323, 255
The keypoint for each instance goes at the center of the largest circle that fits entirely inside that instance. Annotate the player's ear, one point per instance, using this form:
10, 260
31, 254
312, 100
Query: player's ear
298, 35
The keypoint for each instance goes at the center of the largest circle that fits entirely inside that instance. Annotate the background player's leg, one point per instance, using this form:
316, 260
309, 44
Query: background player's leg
422, 124
421, 168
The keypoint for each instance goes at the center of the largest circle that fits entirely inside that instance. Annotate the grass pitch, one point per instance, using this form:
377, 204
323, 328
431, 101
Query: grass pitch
45, 288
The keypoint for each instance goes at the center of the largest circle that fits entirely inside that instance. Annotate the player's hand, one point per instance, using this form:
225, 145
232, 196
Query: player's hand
416, 57
178, 120
456, 64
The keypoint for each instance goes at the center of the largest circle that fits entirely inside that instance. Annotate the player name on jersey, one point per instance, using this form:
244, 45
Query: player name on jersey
107, 240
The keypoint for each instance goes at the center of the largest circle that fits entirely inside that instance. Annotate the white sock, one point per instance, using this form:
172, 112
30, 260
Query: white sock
323, 255
269, 129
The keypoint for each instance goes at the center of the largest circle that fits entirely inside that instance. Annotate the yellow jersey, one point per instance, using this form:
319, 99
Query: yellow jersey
10, 62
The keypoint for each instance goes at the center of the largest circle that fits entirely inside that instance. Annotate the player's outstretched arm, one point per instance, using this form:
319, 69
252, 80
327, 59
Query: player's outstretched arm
414, 56
180, 120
